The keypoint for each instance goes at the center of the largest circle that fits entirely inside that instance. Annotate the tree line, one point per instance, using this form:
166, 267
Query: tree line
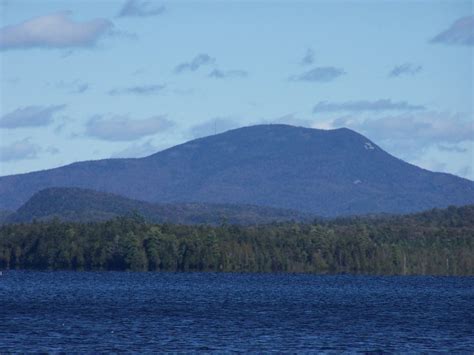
440, 242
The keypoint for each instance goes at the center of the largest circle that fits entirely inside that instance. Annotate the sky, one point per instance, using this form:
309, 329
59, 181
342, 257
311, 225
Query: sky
87, 80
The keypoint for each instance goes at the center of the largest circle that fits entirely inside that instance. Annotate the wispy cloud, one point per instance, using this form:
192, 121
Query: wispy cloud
289, 119
30, 116
184, 92
319, 74
137, 150
451, 148
308, 58
433, 158
53, 31
73, 87
466, 171
19, 150
405, 69
139, 90
422, 128
227, 74
123, 128
137, 8
461, 32
361, 106
52, 150
196, 63
417, 136
12, 80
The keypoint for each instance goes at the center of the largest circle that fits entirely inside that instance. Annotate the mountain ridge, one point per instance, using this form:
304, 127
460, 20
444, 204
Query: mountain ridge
85, 205
323, 172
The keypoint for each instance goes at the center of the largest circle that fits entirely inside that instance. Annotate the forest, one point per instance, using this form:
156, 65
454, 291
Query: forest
437, 242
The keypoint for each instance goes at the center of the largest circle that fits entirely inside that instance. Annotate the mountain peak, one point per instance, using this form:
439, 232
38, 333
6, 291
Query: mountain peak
284, 129
323, 172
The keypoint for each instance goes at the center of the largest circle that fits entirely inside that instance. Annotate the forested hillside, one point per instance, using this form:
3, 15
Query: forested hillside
83, 205
439, 242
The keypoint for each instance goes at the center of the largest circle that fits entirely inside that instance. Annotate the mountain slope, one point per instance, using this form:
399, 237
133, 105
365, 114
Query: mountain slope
81, 205
328, 173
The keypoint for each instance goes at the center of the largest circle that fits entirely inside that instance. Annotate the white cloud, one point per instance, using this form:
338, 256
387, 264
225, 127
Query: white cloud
30, 116
405, 69
227, 74
319, 74
144, 90
364, 105
73, 87
123, 128
461, 32
52, 150
425, 127
196, 63
137, 150
308, 58
467, 172
290, 119
19, 150
440, 141
459, 161
136, 8
53, 31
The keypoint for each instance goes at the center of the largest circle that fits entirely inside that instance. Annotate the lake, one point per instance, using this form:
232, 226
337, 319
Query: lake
120, 311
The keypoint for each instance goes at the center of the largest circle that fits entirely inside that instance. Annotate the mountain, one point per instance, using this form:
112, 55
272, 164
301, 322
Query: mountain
323, 172
81, 205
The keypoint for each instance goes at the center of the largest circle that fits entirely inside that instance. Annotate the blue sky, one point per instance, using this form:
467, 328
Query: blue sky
89, 80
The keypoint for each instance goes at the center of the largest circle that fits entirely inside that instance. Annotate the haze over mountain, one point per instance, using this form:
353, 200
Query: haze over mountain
82, 205
323, 172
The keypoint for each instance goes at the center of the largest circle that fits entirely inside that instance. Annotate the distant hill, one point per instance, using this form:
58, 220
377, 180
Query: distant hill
81, 205
323, 172
450, 217
4, 214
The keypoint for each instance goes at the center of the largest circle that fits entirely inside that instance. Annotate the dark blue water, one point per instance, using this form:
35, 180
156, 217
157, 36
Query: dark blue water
111, 311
